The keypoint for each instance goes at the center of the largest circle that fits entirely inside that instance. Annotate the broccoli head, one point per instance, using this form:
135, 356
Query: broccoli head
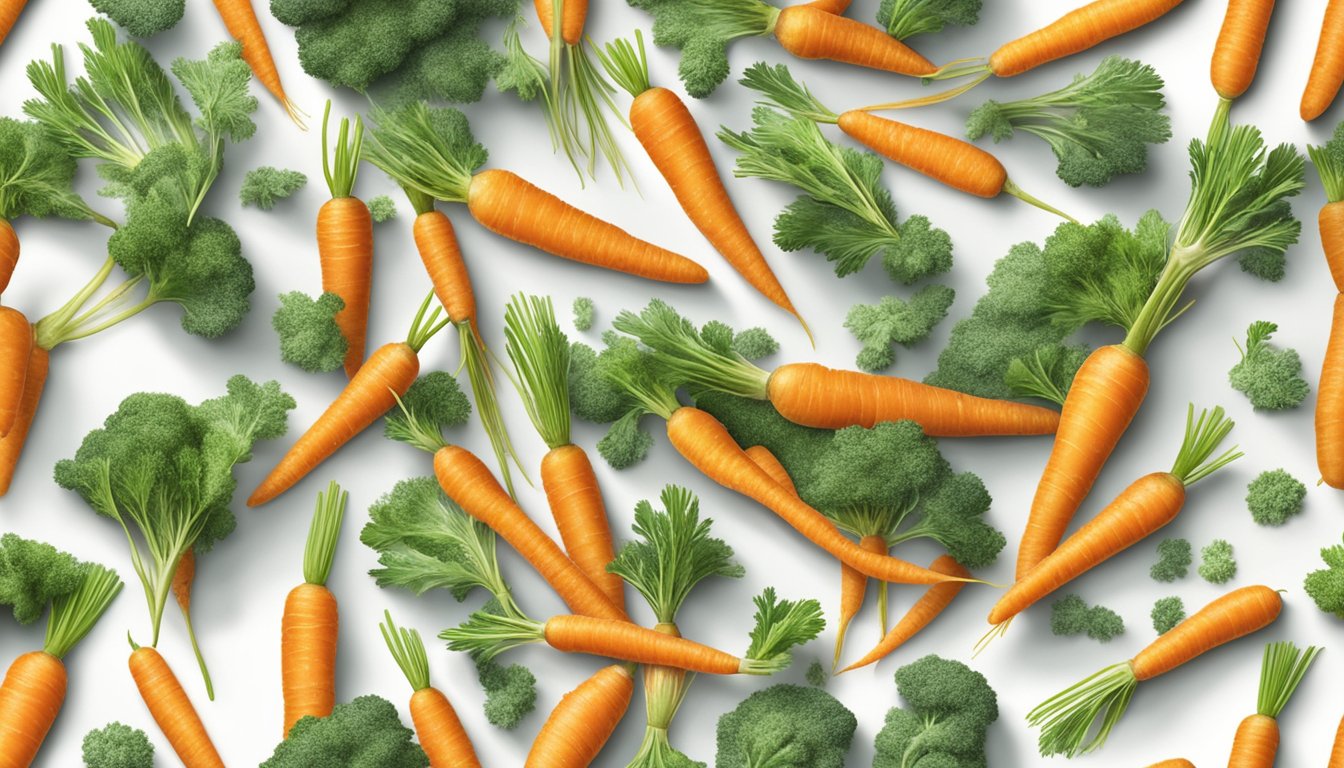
889, 466
309, 335
118, 746
786, 726
364, 733
584, 310
142, 18
1069, 616
755, 343
591, 396
267, 185
1174, 557
1270, 377
1167, 613
1326, 585
1216, 564
702, 29
950, 708
954, 516
32, 574
434, 402
892, 321
382, 208
510, 692
1274, 497
907, 18
1268, 264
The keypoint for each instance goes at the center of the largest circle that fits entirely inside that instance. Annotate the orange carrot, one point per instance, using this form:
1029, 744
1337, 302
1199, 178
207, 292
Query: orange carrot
921, 614
1257, 739
30, 699
241, 20
837, 7
436, 242
345, 239
172, 709
625, 641
9, 13
1176, 762
1236, 55
1106, 393
1327, 69
16, 349
1075, 31
11, 445
1331, 223
437, 725
310, 624
769, 464
183, 577
585, 718
9, 241
1337, 751
853, 587
1239, 612
581, 516
573, 15
1256, 743
809, 32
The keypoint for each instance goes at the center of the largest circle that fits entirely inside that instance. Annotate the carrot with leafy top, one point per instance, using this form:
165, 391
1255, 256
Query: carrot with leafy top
1257, 739
927, 608
584, 720
241, 20
345, 239
437, 725
310, 623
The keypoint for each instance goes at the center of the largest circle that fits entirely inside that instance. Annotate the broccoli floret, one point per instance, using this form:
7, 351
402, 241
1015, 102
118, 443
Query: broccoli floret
32, 574
755, 343
434, 402
584, 310
142, 18
1275, 496
893, 321
1267, 264
788, 726
510, 692
1167, 613
592, 397
1216, 564
907, 18
1270, 377
626, 443
954, 516
364, 733
702, 29
118, 746
1070, 616
1326, 586
266, 186
950, 708
816, 675
381, 209
309, 335
1174, 557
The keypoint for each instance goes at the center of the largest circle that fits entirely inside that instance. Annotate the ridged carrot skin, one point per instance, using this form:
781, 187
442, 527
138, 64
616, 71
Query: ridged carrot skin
172, 710
1236, 55
573, 15
945, 159
1337, 751
345, 248
828, 398
11, 445
1331, 222
513, 207
9, 13
769, 464
436, 241
581, 723
1327, 69
1236, 614
673, 141
308, 633
466, 480
1105, 395
1256, 743
580, 515
391, 368
9, 241
809, 32
30, 699
1075, 31
927, 608
16, 348
624, 641
831, 6
439, 731
1329, 404
1146, 505
241, 20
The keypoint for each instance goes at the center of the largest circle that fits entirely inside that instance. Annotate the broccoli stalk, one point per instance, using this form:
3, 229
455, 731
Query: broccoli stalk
950, 709
907, 18
1271, 378
364, 733
789, 726
117, 746
893, 321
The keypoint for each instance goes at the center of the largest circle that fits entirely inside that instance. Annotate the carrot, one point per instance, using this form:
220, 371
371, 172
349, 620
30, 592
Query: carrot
1175, 762
585, 718
436, 242
9, 14
11, 445
241, 21
9, 241
573, 15
1076, 31
837, 7
769, 464
310, 623
809, 32
921, 614
1330, 404
30, 699
437, 725
1337, 751
581, 516
16, 349
172, 709
1327, 69
345, 239
1105, 395
1237, 52
1257, 739
183, 577
1331, 225
853, 587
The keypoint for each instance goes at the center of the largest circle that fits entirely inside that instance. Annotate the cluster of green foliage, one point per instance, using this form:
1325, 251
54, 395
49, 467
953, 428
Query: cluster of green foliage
366, 732
117, 746
787, 726
1167, 613
267, 185
382, 208
37, 175
1274, 497
309, 335
879, 327
1325, 586
35, 576
142, 18
584, 313
702, 30
906, 18
1271, 378
949, 708
510, 692
1174, 557
1216, 563
1070, 616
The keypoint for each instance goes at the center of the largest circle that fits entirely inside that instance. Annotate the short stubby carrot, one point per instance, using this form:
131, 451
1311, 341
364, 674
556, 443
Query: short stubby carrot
573, 14
172, 710
1236, 55
16, 349
1327, 69
1105, 395
241, 20
827, 398
308, 632
1331, 223
585, 718
512, 207
927, 608
946, 159
345, 248
1329, 404
436, 241
9, 14
1076, 31
1234, 615
11, 445
809, 32
440, 731
624, 641
9, 241
1256, 743
30, 699
580, 515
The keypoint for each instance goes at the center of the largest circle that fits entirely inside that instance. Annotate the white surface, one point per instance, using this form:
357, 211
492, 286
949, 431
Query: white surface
241, 585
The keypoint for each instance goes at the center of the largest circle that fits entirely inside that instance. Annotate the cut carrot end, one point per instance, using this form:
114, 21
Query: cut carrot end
925, 101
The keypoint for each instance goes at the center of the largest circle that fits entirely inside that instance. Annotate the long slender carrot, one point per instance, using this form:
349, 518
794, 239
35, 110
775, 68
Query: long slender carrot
172, 710
1239, 612
184, 576
437, 725
16, 349
310, 624
1327, 69
625, 641
1105, 395
585, 718
345, 239
1337, 751
853, 588
573, 14
1075, 31
9, 241
1257, 739
9, 14
927, 608
30, 699
1331, 224
11, 445
815, 33
581, 516
1236, 55
241, 20
1330, 404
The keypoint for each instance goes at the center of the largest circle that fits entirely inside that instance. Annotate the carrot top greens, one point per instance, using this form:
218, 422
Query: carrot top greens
702, 29
906, 18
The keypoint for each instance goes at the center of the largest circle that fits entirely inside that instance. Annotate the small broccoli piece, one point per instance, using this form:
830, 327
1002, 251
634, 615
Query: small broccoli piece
907, 18
584, 310
954, 516
816, 675
309, 335
118, 746
950, 708
1070, 616
592, 397
32, 574
1216, 564
1174, 557
510, 692
626, 443
786, 726
434, 402
364, 733
1267, 264
1270, 377
1167, 613
1326, 585
381, 209
892, 321
755, 343
142, 18
266, 186
1275, 496
702, 29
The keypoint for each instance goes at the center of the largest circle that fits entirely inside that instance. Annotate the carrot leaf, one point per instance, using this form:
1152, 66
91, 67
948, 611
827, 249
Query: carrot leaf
686, 355
702, 30
1329, 161
906, 18
1067, 719
341, 167
539, 351
1281, 671
323, 533
73, 615
780, 625
626, 64
486, 634
37, 175
1203, 435
408, 650
429, 149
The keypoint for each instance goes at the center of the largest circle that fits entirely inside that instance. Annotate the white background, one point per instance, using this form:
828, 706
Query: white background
241, 584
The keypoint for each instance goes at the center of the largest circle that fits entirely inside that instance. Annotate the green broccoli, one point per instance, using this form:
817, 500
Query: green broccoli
1274, 497
33, 574
755, 343
364, 733
951, 707
907, 18
434, 402
1174, 557
1271, 378
266, 186
1069, 616
1167, 613
1216, 564
1326, 585
786, 726
816, 674
510, 692
382, 208
584, 310
592, 397
702, 29
309, 335
142, 18
892, 321
1099, 126
117, 746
